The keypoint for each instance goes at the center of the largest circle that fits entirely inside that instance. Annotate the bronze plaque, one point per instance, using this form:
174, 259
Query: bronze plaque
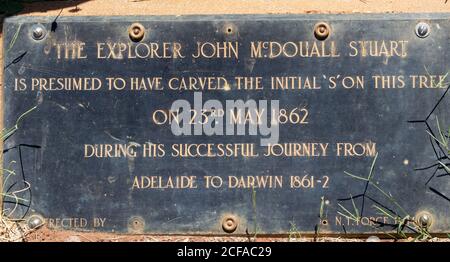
229, 124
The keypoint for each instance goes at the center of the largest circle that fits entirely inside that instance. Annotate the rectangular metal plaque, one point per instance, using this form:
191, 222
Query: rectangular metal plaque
213, 124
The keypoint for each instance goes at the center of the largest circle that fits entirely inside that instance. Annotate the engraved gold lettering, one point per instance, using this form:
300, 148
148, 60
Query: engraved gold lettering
59, 84
217, 50
388, 82
293, 83
428, 81
356, 149
67, 222
214, 150
255, 181
197, 83
110, 150
166, 182
392, 48
71, 50
297, 150
289, 49
142, 50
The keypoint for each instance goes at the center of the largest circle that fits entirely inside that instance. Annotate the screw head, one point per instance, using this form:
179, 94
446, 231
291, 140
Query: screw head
35, 221
229, 223
136, 224
321, 31
422, 29
229, 29
424, 219
136, 32
38, 32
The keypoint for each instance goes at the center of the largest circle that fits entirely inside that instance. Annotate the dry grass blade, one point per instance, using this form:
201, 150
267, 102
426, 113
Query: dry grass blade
12, 230
349, 214
7, 132
445, 167
357, 177
437, 140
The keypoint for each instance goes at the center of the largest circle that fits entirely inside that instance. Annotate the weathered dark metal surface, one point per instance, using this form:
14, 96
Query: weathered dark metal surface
71, 190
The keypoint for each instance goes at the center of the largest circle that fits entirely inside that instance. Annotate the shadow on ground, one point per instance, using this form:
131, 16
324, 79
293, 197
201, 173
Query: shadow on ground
15, 7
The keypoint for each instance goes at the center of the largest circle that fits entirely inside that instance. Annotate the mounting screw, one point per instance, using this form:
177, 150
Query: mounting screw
424, 219
136, 32
136, 224
35, 221
422, 29
229, 29
321, 31
229, 223
38, 32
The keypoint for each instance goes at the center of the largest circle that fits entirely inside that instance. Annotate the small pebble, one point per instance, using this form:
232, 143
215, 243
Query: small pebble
72, 239
373, 239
